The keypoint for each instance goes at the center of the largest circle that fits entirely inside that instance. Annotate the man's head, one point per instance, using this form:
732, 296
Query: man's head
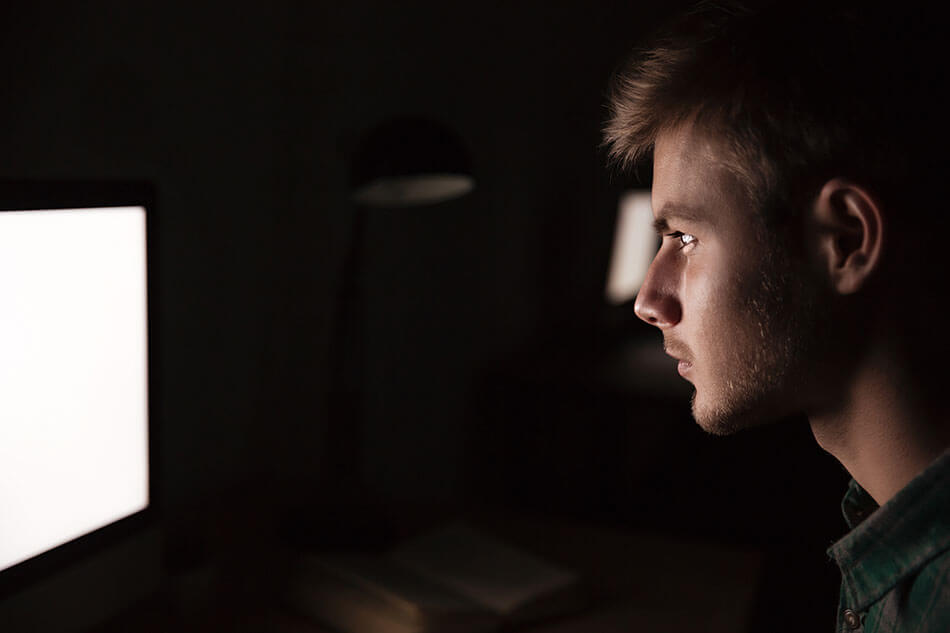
790, 150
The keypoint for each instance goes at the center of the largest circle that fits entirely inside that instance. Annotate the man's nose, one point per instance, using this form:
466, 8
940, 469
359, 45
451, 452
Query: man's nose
657, 302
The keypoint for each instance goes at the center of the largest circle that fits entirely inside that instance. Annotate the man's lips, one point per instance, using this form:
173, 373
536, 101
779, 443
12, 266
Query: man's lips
676, 353
683, 366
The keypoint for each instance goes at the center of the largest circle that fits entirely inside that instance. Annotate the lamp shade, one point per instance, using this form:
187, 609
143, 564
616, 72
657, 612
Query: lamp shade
409, 162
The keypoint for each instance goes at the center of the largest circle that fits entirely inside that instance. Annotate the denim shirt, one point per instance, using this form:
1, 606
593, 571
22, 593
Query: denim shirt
895, 561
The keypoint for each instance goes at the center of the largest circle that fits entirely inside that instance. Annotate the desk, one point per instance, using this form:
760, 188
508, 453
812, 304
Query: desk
641, 581
637, 581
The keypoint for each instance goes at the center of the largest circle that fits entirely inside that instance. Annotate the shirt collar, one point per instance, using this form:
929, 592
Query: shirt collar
889, 543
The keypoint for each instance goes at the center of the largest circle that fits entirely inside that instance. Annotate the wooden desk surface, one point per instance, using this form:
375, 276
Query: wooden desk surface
641, 581
637, 581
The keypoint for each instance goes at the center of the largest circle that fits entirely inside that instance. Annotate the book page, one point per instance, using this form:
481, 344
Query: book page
489, 572
413, 595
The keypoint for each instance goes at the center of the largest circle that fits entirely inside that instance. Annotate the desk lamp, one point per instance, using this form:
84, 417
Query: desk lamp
402, 163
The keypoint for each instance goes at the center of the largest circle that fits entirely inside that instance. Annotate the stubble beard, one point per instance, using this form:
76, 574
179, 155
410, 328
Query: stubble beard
767, 356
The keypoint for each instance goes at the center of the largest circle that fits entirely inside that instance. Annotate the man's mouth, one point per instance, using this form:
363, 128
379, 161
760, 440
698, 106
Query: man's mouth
677, 352
684, 367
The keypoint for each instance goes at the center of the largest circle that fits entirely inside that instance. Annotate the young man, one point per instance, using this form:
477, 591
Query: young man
799, 187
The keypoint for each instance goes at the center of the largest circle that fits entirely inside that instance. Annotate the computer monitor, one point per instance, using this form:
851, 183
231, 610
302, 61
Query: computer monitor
78, 536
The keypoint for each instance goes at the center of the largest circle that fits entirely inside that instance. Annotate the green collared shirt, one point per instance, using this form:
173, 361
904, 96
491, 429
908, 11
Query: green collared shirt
895, 561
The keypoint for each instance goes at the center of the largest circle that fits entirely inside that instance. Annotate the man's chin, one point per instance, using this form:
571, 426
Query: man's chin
717, 426
720, 419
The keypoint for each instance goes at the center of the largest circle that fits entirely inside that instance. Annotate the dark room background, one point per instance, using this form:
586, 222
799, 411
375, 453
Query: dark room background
489, 356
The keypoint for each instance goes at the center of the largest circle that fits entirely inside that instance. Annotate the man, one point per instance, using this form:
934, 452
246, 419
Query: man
799, 188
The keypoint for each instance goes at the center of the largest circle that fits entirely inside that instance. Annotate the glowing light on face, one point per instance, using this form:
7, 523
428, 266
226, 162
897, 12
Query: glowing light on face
728, 304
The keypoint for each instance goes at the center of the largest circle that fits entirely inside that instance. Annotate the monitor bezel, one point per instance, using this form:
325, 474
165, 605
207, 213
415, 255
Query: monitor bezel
50, 195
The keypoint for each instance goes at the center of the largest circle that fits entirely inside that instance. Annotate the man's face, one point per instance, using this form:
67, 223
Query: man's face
731, 308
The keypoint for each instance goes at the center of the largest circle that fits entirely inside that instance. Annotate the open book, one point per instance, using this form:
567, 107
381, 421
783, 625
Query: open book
450, 580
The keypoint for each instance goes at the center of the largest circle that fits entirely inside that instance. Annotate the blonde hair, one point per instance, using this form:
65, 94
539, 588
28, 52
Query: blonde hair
794, 93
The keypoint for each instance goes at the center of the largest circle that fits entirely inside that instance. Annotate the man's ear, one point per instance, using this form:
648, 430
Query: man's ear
850, 234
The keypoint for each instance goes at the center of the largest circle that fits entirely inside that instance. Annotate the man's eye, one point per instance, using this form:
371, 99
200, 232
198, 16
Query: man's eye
685, 239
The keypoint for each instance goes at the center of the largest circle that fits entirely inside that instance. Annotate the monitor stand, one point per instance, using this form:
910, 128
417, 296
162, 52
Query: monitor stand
91, 590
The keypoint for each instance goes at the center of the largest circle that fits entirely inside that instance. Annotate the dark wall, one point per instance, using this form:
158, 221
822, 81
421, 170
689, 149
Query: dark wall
452, 289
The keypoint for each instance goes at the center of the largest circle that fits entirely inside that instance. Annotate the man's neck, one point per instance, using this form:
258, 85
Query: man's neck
881, 432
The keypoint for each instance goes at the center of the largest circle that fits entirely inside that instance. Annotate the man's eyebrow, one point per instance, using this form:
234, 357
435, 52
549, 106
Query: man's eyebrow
679, 211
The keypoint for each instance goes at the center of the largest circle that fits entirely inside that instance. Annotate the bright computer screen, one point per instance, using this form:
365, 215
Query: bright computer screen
74, 415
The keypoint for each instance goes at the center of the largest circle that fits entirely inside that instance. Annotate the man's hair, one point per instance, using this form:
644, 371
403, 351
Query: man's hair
795, 94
